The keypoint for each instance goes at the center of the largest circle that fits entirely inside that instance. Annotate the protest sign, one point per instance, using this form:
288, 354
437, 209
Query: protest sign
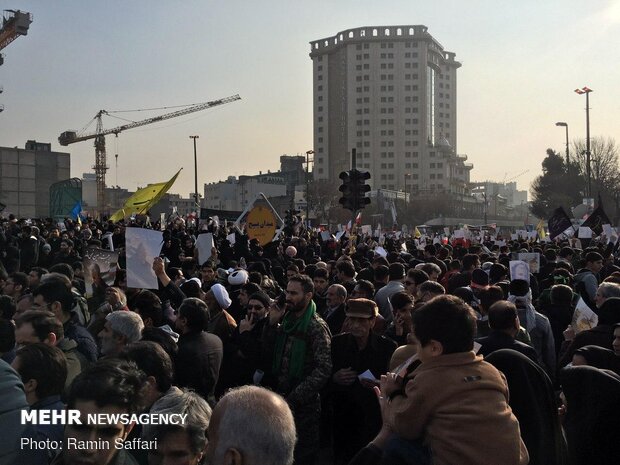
583, 317
204, 243
99, 268
532, 259
584, 232
519, 270
261, 224
142, 246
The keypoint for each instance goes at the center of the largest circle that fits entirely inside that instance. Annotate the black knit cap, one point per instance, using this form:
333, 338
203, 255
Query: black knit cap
519, 287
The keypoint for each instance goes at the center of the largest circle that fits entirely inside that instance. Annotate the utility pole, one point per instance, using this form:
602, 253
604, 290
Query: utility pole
195, 174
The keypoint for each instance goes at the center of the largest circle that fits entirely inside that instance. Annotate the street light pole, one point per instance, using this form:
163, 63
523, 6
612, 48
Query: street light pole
195, 173
565, 125
308, 186
587, 90
406, 198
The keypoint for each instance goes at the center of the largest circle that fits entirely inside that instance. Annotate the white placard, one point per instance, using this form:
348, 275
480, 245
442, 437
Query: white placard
325, 235
514, 237
583, 317
231, 238
366, 229
142, 246
532, 259
607, 230
459, 234
108, 237
204, 243
519, 270
584, 233
381, 251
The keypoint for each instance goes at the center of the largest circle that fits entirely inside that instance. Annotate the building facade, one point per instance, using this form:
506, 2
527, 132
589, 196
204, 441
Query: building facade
234, 194
390, 93
26, 176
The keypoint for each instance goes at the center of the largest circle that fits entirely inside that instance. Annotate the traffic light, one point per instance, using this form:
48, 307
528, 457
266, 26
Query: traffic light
354, 189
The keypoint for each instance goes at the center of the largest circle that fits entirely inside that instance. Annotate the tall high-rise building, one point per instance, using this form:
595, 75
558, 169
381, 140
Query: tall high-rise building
389, 92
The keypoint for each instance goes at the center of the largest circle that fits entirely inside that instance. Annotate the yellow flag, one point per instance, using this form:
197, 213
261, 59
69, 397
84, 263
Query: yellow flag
143, 199
540, 229
416, 233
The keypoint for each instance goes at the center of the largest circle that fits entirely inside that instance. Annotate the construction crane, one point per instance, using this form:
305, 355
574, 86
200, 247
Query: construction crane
100, 167
512, 178
15, 23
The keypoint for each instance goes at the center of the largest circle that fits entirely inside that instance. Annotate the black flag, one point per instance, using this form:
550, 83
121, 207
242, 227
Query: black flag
596, 220
558, 223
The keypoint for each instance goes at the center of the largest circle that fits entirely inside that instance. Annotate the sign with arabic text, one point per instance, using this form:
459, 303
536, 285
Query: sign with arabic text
261, 224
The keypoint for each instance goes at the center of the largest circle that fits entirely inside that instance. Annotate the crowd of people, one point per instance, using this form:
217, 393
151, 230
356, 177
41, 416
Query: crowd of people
309, 349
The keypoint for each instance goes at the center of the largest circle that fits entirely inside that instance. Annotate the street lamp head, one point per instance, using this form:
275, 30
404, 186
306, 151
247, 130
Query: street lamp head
583, 90
560, 123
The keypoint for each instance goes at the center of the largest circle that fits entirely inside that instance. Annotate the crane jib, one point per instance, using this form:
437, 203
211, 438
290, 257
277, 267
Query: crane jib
70, 137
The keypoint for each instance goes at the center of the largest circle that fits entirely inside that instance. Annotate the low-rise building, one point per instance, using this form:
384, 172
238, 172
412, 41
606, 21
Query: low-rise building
26, 176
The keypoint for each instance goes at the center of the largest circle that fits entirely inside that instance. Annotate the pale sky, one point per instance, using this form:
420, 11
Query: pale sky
521, 62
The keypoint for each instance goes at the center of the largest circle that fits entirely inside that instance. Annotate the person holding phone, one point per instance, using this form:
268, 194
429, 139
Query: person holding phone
359, 358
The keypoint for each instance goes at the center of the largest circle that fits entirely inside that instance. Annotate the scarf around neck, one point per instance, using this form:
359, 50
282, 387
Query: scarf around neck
295, 329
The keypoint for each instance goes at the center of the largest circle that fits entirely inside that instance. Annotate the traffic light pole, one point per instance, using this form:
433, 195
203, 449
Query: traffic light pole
354, 188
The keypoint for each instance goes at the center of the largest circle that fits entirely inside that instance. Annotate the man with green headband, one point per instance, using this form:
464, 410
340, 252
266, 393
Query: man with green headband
299, 341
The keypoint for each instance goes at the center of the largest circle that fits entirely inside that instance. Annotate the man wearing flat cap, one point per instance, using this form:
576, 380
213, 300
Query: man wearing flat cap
357, 417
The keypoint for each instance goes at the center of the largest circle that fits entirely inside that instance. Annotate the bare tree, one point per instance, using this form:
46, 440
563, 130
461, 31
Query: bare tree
605, 174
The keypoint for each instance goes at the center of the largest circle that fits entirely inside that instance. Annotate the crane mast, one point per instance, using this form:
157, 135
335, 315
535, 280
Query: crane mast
100, 167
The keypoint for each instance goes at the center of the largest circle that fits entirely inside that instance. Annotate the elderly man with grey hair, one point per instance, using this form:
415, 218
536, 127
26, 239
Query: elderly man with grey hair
335, 314
185, 443
251, 426
121, 328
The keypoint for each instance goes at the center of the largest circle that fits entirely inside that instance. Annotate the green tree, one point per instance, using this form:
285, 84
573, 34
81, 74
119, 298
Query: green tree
556, 187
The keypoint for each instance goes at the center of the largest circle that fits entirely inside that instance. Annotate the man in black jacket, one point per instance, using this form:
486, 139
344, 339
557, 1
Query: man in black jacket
504, 323
200, 353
